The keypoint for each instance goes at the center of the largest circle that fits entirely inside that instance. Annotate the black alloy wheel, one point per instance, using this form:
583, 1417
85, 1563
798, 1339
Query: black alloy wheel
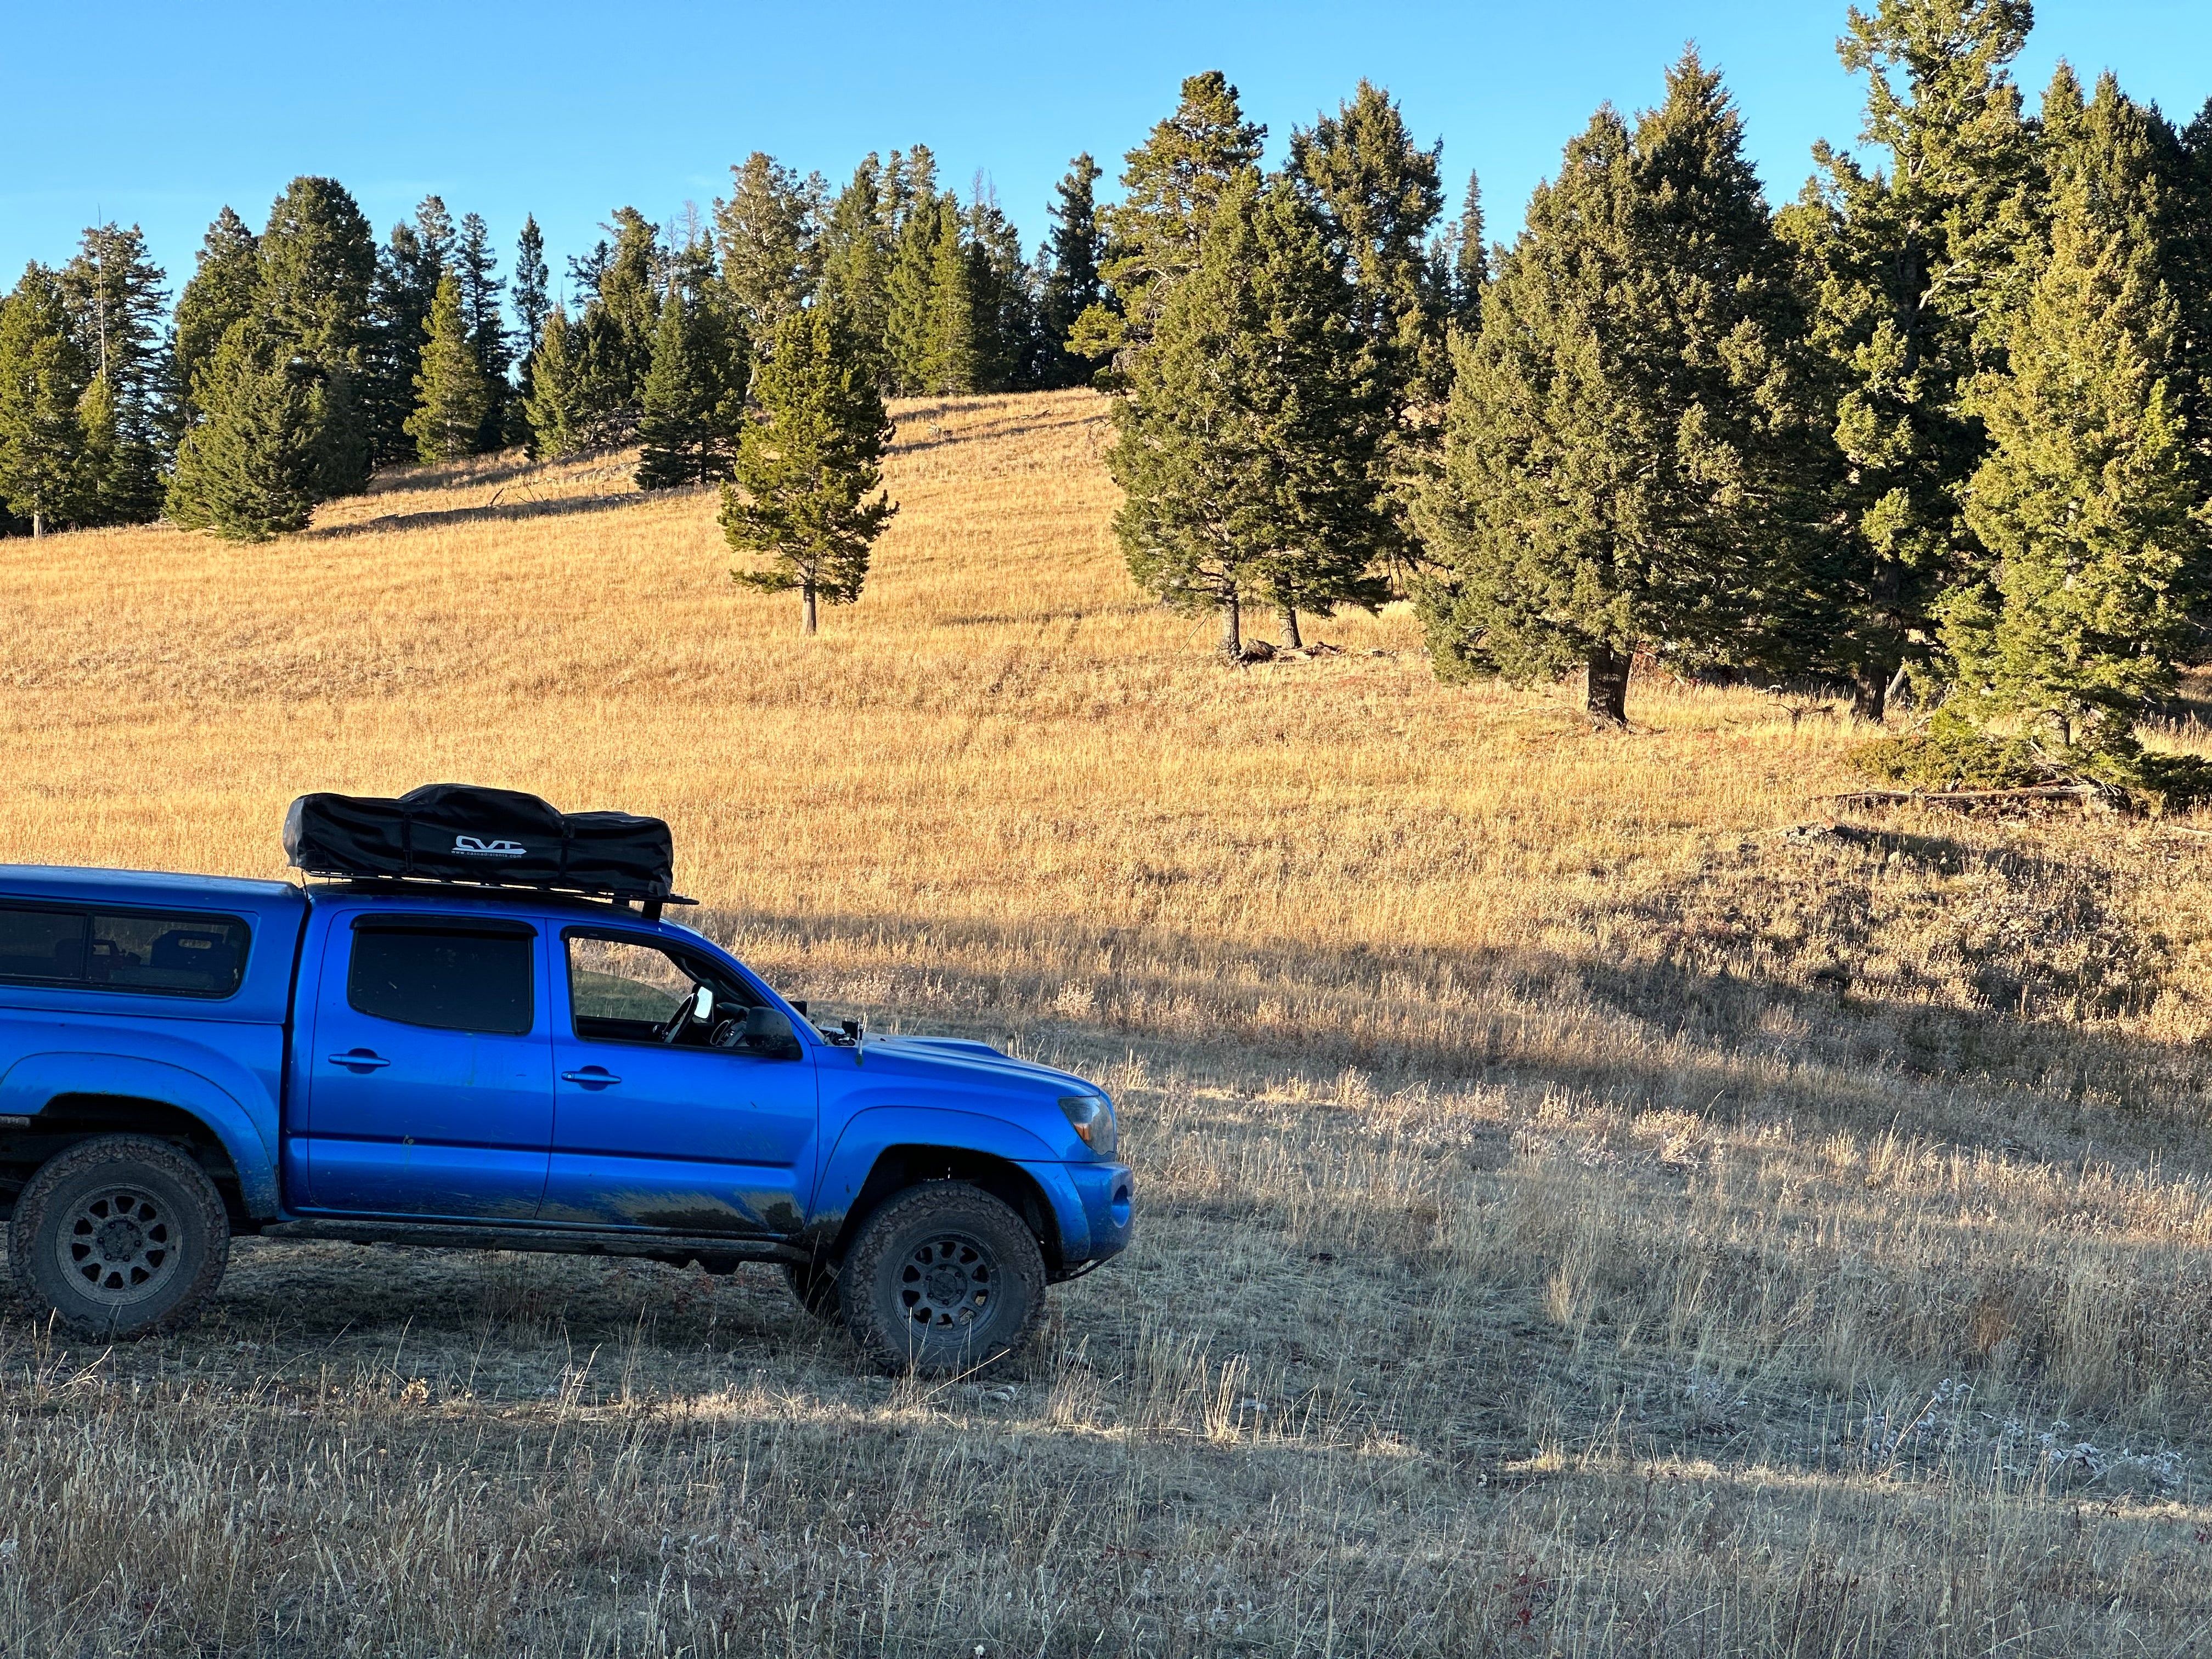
943, 1280
120, 1236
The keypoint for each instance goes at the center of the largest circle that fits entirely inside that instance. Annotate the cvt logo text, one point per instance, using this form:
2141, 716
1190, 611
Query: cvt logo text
471, 846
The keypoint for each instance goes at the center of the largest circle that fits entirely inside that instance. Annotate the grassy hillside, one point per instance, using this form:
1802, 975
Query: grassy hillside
1593, 1203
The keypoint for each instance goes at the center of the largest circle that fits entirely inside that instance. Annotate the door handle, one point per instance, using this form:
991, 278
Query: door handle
591, 1077
361, 1059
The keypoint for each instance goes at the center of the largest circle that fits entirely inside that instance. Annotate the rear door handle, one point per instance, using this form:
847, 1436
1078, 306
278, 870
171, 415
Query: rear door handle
361, 1059
591, 1077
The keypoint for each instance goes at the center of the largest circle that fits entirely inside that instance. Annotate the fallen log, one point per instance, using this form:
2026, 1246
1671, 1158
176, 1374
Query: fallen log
1945, 797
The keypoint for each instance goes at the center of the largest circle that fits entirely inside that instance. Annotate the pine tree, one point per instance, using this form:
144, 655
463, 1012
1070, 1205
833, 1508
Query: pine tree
1072, 284
450, 391
1247, 444
43, 380
1622, 447
858, 245
951, 356
407, 273
553, 402
1379, 194
533, 297
478, 269
1170, 184
226, 285
2087, 498
910, 296
1003, 305
1913, 272
770, 236
248, 471
319, 271
692, 414
1470, 259
806, 475
115, 298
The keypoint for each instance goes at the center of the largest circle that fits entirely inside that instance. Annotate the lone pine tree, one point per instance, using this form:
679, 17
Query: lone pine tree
1247, 444
2087, 499
451, 391
807, 494
1618, 457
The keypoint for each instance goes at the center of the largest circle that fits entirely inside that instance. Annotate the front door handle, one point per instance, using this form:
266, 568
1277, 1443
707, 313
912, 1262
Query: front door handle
591, 1077
360, 1059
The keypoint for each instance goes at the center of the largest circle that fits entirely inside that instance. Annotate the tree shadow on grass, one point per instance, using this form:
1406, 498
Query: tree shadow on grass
491, 513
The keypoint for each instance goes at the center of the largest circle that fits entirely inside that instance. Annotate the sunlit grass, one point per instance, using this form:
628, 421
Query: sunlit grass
1588, 1204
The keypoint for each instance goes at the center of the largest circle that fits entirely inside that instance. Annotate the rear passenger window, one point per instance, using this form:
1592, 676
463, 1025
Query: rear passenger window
125, 950
42, 943
196, 955
454, 981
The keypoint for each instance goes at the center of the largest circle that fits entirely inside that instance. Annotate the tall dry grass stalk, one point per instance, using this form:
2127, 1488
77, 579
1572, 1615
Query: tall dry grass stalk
1591, 1205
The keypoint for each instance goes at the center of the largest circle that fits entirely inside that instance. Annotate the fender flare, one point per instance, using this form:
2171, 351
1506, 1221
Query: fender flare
869, 1133
32, 1082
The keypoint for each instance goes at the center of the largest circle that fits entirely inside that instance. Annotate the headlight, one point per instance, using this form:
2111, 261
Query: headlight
1093, 1118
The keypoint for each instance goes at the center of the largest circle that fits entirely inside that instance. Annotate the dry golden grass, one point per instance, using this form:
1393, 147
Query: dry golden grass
1591, 1205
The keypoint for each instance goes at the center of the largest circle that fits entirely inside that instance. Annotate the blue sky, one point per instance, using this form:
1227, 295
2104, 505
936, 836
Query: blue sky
161, 113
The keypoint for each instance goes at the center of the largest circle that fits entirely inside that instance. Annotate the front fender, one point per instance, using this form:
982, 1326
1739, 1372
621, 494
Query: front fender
868, 1134
36, 1080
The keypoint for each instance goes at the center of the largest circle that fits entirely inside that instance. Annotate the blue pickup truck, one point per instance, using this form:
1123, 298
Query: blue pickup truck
185, 1058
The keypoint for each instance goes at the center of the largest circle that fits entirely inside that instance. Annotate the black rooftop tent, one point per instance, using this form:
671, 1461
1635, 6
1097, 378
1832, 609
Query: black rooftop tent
460, 832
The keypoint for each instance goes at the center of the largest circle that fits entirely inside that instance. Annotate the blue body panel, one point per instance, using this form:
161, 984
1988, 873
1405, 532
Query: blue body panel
339, 1112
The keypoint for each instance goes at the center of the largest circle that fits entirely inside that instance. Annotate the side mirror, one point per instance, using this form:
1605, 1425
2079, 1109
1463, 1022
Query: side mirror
702, 1004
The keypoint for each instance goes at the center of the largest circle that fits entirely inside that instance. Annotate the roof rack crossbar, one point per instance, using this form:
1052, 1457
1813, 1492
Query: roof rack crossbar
652, 901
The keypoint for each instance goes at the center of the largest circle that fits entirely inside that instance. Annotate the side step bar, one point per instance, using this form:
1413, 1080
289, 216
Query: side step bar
710, 1252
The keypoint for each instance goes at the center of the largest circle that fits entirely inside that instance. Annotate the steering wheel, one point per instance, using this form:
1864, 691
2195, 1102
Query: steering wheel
679, 1019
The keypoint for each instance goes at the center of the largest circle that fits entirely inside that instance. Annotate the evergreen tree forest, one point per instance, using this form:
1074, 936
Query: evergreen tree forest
1936, 429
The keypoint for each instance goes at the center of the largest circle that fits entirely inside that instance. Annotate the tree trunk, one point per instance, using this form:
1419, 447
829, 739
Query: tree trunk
1896, 689
1232, 629
1870, 697
806, 608
1291, 637
38, 524
1607, 699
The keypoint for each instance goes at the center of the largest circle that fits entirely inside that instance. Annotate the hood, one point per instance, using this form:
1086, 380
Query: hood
957, 1056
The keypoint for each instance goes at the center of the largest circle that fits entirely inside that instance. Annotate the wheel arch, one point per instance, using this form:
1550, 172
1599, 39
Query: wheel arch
899, 1167
73, 1116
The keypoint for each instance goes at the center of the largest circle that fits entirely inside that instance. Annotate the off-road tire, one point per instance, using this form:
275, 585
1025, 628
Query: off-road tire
942, 1280
118, 1236
814, 1287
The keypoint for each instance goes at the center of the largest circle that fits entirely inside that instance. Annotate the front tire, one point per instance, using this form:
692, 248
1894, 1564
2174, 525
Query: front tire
118, 1236
943, 1280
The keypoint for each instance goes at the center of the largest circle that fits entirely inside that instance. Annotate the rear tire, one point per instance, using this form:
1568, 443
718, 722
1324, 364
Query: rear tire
942, 1280
118, 1236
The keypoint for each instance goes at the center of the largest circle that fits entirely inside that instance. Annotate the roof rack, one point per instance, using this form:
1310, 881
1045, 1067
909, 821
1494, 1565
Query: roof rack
650, 902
